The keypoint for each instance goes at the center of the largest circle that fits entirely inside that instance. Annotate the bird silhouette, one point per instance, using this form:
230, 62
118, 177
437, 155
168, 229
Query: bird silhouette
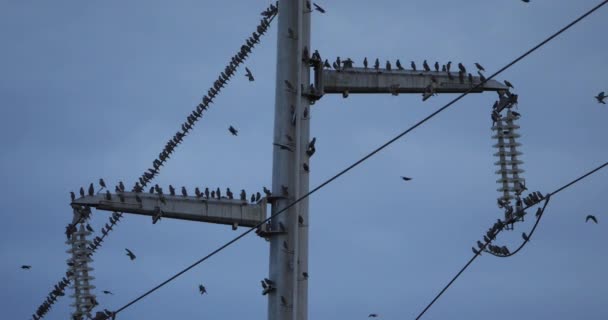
89, 228
461, 67
91, 190
436, 66
218, 193
479, 67
207, 193
592, 218
388, 65
289, 85
26, 267
600, 97
233, 131
258, 196
202, 289
102, 183
481, 77
365, 63
406, 178
508, 84
130, 254
72, 196
171, 190
413, 65
525, 236
398, 64
107, 292
197, 192
377, 64
373, 315
249, 75
318, 8
305, 166
426, 66
267, 192
184, 192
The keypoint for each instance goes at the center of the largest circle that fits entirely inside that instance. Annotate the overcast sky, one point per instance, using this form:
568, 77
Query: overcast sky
94, 89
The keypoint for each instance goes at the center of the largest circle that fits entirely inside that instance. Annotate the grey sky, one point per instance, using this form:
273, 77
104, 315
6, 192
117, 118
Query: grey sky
95, 89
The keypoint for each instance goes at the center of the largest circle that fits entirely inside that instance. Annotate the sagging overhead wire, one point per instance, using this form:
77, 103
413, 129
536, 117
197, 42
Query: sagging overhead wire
547, 197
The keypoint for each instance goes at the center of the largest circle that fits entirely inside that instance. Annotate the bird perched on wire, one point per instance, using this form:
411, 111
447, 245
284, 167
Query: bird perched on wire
249, 75
525, 236
318, 8
600, 97
202, 289
591, 217
130, 254
406, 178
233, 131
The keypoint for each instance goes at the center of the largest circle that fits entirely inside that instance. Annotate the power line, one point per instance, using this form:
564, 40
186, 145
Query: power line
477, 254
358, 162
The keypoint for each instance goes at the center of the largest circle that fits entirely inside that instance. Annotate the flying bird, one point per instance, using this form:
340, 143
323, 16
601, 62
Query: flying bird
600, 97
107, 292
406, 178
318, 8
592, 218
249, 75
233, 131
526, 1
26, 267
202, 289
130, 254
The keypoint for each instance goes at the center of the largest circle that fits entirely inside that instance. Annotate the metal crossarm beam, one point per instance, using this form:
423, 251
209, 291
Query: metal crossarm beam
221, 211
361, 80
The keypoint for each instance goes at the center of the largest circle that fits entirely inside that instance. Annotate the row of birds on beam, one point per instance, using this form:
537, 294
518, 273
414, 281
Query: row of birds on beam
156, 189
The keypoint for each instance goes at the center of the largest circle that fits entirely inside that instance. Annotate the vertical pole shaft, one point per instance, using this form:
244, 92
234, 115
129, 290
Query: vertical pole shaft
287, 97
304, 138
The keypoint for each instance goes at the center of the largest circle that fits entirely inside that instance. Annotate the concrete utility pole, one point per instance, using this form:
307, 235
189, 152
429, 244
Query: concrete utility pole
289, 250
287, 283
